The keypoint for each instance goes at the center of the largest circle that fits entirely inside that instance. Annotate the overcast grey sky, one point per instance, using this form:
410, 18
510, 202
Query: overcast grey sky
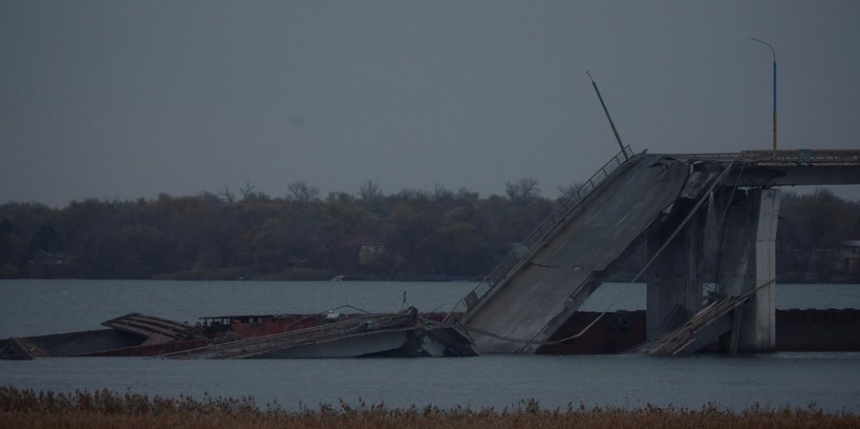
117, 99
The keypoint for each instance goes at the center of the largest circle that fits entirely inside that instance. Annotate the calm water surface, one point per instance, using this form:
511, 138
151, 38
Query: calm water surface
36, 307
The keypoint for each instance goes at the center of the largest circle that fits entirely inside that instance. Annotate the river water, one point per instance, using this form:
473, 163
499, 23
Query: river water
37, 307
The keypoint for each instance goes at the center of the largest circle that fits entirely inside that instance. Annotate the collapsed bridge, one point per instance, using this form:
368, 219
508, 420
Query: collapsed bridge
693, 212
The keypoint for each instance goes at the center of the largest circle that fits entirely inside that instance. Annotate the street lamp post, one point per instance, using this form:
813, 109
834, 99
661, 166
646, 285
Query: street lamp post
772, 51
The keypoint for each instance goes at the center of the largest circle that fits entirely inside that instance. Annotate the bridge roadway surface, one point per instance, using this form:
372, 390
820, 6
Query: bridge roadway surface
554, 277
547, 286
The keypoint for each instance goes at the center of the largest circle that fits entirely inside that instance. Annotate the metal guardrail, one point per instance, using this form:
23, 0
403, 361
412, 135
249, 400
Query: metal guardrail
804, 156
793, 157
535, 239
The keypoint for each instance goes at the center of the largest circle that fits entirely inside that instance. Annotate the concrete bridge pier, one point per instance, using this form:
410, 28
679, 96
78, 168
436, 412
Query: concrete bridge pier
739, 253
761, 331
748, 262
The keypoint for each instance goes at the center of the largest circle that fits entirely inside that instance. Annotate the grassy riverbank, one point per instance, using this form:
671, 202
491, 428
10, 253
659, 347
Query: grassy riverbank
21, 408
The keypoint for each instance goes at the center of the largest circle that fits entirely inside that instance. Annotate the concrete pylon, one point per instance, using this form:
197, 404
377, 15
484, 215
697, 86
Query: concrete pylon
748, 262
758, 330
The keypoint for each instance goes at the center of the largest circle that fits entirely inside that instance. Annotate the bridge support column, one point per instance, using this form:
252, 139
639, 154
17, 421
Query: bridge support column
759, 331
674, 290
748, 262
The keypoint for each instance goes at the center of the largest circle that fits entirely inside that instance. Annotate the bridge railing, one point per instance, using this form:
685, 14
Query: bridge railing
793, 157
804, 156
537, 237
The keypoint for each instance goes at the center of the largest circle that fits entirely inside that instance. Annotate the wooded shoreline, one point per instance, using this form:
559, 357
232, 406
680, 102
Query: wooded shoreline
411, 235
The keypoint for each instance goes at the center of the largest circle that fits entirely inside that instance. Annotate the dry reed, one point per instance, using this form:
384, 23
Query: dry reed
23, 408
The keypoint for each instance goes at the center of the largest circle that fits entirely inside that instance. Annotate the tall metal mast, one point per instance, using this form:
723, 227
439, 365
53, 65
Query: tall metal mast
605, 110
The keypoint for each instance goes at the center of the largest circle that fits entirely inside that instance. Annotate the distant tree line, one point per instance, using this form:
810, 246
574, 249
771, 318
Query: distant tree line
812, 234
410, 234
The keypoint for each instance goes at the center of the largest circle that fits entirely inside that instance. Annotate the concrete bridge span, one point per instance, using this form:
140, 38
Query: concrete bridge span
694, 212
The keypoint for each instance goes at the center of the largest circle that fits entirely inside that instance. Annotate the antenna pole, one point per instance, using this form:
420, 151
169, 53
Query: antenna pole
606, 111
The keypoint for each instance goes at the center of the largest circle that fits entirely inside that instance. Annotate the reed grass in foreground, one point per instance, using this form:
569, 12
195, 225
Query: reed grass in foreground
22, 408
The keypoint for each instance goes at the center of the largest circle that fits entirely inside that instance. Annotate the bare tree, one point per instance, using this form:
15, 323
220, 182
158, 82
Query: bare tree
522, 191
411, 194
227, 194
466, 194
343, 197
247, 191
370, 191
302, 192
566, 192
440, 192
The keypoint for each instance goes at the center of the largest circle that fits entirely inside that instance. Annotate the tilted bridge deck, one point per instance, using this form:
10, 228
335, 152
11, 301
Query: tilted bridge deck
561, 269
544, 280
